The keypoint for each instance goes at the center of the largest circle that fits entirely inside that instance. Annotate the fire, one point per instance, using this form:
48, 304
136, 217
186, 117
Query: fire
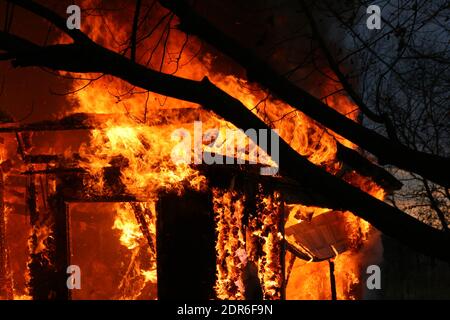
131, 235
248, 248
138, 144
267, 222
228, 207
147, 168
150, 275
302, 133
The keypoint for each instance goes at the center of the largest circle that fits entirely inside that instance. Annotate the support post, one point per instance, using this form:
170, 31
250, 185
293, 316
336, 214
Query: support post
6, 288
282, 248
186, 254
60, 211
49, 248
332, 280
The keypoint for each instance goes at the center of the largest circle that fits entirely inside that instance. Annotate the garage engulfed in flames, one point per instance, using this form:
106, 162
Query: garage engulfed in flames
106, 196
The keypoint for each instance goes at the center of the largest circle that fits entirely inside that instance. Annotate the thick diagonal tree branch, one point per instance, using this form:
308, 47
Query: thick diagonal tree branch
432, 167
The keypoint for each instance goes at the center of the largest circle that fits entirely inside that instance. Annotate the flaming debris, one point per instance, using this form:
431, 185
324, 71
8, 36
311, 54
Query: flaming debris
130, 156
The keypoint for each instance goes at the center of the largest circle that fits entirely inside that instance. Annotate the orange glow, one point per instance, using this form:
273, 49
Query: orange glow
137, 142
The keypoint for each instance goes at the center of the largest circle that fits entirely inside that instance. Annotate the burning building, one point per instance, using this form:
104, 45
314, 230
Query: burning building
95, 185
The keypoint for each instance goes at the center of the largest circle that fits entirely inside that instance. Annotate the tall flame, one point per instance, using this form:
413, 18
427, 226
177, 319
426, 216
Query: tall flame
138, 143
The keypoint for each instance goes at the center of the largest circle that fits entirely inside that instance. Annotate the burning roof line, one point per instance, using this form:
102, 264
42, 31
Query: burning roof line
86, 121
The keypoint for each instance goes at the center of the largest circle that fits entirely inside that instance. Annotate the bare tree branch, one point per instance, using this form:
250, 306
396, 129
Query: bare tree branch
433, 167
92, 58
134, 30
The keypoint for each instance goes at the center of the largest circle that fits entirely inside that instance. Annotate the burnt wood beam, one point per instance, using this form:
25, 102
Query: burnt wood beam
283, 249
332, 280
43, 280
59, 210
245, 176
76, 121
91, 121
297, 253
50, 245
143, 225
40, 158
